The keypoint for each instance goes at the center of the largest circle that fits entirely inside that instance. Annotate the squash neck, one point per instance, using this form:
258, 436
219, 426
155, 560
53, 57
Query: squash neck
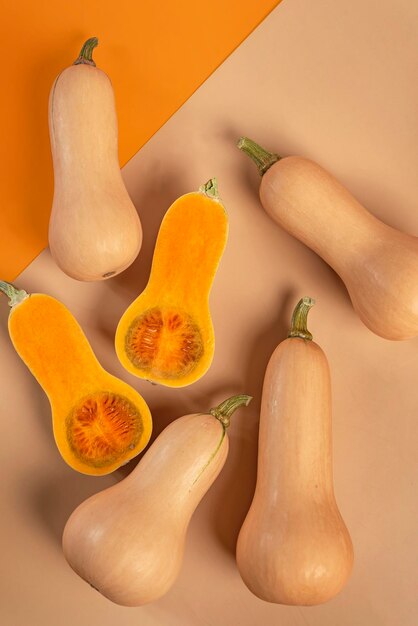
15, 295
298, 326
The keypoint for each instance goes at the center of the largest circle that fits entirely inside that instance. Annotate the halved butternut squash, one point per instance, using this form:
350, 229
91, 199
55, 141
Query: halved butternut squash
99, 421
166, 335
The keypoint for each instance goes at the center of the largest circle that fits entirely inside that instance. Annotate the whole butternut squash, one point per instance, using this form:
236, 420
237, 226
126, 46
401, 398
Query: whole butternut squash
94, 229
294, 547
99, 421
378, 264
128, 540
166, 335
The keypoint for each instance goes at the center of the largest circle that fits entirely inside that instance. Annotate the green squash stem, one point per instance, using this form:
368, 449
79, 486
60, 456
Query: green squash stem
223, 411
298, 327
261, 157
15, 295
86, 53
210, 189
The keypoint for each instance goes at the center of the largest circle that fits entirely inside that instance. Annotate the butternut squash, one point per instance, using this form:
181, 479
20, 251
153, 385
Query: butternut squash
128, 541
99, 421
377, 263
166, 335
94, 229
294, 547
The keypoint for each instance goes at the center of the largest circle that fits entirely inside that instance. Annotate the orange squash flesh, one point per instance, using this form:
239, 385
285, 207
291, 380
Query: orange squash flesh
166, 335
99, 421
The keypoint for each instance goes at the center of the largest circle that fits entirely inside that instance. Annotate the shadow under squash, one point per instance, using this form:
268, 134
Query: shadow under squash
53, 501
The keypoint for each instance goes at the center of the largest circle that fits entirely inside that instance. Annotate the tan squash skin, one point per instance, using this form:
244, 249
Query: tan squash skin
128, 541
294, 547
94, 229
377, 263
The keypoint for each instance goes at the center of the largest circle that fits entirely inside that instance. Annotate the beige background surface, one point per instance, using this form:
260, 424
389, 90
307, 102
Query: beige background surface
335, 81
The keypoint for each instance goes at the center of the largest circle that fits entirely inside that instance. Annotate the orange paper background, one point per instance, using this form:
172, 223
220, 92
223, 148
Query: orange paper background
156, 54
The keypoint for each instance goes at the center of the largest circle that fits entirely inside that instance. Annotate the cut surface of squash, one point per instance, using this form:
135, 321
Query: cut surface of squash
164, 341
103, 427
99, 421
166, 335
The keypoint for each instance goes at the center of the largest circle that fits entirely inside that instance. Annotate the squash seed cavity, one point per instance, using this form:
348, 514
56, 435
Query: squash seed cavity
103, 428
166, 343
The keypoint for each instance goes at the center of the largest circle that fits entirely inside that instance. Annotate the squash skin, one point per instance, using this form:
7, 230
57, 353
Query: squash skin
294, 547
53, 346
377, 263
189, 247
128, 541
94, 229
